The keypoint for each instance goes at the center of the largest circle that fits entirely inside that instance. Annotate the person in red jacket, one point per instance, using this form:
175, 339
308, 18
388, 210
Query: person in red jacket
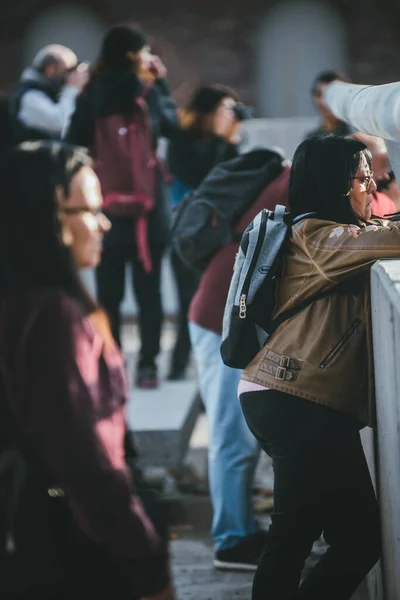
390, 188
233, 451
71, 523
382, 205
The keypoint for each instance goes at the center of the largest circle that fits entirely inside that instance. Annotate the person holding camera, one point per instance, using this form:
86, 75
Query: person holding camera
42, 104
120, 117
210, 134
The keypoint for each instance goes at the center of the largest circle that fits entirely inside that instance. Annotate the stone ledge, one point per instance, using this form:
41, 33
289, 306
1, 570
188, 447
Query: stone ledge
162, 422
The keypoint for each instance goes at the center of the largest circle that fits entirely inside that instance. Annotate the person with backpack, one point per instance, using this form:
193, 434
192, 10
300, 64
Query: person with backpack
209, 135
42, 104
120, 116
73, 524
309, 389
252, 181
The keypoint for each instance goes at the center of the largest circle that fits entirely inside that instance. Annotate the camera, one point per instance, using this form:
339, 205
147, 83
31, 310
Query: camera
242, 112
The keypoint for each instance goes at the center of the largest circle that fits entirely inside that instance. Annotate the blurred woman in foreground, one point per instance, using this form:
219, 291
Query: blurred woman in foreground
71, 526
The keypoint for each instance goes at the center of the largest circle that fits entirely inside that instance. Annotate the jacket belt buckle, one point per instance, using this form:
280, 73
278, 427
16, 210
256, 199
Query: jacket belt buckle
285, 362
280, 373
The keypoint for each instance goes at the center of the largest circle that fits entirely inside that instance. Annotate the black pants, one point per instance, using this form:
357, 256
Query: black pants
322, 485
187, 282
110, 279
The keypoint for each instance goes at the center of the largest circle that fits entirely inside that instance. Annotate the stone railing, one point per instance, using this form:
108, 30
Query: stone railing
385, 289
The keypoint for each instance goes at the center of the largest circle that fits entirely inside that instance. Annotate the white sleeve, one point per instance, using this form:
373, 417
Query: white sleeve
371, 109
40, 112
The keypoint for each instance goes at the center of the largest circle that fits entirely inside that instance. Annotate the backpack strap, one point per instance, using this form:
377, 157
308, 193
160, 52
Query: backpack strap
303, 216
279, 212
141, 224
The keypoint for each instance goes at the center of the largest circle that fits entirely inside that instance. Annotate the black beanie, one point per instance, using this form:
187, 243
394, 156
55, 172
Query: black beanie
119, 40
206, 99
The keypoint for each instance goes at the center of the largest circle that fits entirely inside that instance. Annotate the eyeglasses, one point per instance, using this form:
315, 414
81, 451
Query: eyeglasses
78, 210
367, 180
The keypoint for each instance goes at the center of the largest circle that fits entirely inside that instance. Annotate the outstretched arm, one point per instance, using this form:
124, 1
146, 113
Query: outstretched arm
371, 109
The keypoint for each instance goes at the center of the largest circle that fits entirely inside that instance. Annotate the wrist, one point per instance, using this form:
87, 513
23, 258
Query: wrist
70, 89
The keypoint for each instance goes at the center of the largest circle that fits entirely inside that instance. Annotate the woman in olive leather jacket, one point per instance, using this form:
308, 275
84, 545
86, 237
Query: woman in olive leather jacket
310, 390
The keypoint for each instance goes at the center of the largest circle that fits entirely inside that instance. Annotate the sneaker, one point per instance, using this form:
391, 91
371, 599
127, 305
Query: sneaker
245, 556
146, 378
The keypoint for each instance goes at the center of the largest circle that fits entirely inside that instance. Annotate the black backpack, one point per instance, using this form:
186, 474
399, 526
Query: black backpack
205, 218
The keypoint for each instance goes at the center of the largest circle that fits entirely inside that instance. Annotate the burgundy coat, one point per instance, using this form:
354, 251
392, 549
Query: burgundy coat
66, 397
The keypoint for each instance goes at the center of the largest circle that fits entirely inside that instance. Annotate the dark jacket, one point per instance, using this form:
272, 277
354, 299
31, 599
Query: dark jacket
65, 404
191, 158
32, 80
208, 305
112, 93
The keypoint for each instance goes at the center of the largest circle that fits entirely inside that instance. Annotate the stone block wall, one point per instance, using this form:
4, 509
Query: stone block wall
216, 40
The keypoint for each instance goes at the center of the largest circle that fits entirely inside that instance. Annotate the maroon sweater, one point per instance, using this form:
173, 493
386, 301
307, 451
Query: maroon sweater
66, 394
208, 305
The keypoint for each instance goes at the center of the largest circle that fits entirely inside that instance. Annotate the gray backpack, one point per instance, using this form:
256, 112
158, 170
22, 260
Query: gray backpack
252, 294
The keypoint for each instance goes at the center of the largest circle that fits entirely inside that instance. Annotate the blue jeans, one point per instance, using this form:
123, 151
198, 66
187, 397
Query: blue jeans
233, 450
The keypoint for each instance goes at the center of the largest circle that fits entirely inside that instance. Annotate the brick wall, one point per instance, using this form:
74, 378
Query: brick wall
215, 40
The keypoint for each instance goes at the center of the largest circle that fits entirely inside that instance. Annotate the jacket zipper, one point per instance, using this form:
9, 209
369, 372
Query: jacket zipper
349, 333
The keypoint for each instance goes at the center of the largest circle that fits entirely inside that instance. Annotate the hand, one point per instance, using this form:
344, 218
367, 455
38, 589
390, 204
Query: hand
168, 594
158, 68
79, 77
